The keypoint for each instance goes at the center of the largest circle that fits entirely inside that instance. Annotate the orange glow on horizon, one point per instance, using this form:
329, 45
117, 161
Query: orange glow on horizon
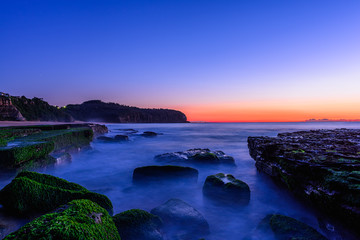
271, 112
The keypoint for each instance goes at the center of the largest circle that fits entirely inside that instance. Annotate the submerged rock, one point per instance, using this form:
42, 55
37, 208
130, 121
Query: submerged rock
149, 134
161, 173
121, 138
226, 188
181, 221
322, 166
137, 224
117, 138
197, 155
31, 192
79, 219
285, 228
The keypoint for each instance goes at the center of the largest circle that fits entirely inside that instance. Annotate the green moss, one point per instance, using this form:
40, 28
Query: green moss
289, 228
38, 144
137, 224
79, 219
298, 151
12, 157
32, 192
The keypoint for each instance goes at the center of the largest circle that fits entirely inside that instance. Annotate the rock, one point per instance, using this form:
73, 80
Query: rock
106, 139
226, 188
98, 129
79, 219
197, 155
137, 224
8, 112
322, 166
160, 173
285, 228
181, 221
117, 138
149, 134
128, 130
31, 192
121, 138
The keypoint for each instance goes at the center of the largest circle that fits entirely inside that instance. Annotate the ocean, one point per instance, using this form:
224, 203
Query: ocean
107, 168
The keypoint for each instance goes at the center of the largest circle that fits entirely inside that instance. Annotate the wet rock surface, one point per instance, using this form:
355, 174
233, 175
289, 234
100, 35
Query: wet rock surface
197, 155
284, 228
150, 174
225, 188
181, 221
137, 224
322, 166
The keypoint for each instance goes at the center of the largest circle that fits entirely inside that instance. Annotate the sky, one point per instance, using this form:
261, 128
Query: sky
232, 61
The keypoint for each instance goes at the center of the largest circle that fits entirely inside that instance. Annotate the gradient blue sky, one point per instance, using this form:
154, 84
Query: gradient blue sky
299, 59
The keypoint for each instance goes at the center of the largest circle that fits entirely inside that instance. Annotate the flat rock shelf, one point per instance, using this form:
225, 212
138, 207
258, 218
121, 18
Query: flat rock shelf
322, 166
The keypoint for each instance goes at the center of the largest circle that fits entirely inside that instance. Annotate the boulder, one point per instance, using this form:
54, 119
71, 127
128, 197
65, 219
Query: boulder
226, 188
149, 134
31, 192
181, 221
121, 138
197, 155
78, 219
163, 173
285, 228
137, 224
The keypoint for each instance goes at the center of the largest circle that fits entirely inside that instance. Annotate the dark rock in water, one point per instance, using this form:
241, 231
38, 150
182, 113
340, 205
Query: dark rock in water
121, 138
149, 134
197, 155
117, 138
161, 173
31, 192
98, 129
322, 166
138, 224
78, 219
226, 188
106, 139
181, 221
128, 130
285, 228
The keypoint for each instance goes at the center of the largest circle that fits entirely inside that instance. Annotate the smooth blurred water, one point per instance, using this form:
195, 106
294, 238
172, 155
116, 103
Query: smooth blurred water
108, 167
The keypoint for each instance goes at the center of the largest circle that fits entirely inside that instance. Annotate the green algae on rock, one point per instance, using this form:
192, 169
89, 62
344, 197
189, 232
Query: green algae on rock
31, 192
285, 228
226, 188
22, 144
78, 219
137, 224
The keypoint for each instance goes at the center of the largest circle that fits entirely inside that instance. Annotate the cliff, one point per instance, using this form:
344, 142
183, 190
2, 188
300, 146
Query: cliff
96, 110
37, 109
8, 112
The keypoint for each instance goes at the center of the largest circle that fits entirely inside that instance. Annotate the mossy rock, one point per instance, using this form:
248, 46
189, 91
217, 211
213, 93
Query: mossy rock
226, 188
168, 172
286, 228
137, 224
78, 219
208, 157
31, 192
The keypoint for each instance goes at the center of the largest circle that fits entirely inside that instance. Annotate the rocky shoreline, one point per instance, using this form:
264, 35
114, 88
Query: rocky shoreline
320, 166
60, 209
